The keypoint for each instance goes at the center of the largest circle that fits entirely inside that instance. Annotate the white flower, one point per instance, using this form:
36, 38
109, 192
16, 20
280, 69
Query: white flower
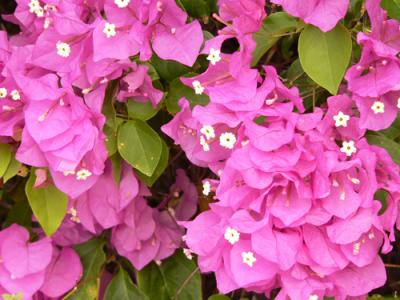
188, 253
39, 12
46, 23
3, 92
206, 188
33, 6
208, 131
122, 3
173, 30
378, 107
232, 235
356, 248
341, 119
227, 140
203, 142
83, 174
15, 95
348, 148
109, 30
214, 56
63, 49
398, 103
67, 173
198, 88
248, 258
313, 297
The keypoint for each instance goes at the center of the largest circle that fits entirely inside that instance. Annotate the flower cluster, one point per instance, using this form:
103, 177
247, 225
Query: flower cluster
296, 204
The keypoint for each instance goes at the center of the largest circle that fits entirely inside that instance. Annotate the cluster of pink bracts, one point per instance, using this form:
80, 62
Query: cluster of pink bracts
295, 206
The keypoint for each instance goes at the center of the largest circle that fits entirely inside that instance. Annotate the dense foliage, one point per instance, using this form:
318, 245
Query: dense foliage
175, 150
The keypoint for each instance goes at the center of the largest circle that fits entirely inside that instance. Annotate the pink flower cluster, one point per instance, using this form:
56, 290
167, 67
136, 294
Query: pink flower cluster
53, 81
295, 196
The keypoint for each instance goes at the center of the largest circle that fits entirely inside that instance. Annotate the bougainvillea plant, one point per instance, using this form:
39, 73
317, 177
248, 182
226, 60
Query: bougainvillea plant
199, 149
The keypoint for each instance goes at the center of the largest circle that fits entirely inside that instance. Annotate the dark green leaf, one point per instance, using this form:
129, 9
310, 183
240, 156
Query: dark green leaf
12, 170
196, 8
162, 165
92, 258
168, 69
20, 213
274, 26
121, 287
177, 278
392, 147
140, 146
5, 158
178, 90
325, 56
392, 7
141, 111
218, 297
48, 204
111, 140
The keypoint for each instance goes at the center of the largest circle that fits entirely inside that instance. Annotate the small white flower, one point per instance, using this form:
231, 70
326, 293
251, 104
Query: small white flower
227, 140
248, 258
206, 188
109, 30
188, 253
74, 215
208, 131
63, 49
67, 173
83, 174
398, 103
356, 248
15, 95
198, 88
214, 56
33, 6
371, 235
313, 297
232, 235
341, 119
378, 107
349, 148
203, 142
39, 12
3, 92
173, 30
122, 3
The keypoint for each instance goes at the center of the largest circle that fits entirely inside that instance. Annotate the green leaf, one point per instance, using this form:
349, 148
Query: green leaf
140, 146
151, 283
392, 7
93, 258
5, 158
177, 278
161, 166
111, 140
196, 8
325, 56
12, 170
141, 111
48, 204
121, 287
391, 146
274, 26
218, 297
20, 213
178, 90
168, 69
17, 296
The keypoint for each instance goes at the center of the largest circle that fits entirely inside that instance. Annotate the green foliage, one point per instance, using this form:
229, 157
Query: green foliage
391, 146
218, 297
5, 158
274, 27
121, 287
141, 111
48, 204
177, 278
325, 56
140, 146
392, 7
93, 258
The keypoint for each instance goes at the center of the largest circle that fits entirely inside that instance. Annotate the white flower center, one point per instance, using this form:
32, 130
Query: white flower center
378, 107
341, 119
35, 8
15, 95
122, 3
214, 56
198, 88
206, 188
227, 140
67, 173
313, 297
204, 144
232, 235
208, 131
63, 49
349, 148
248, 258
3, 92
109, 30
83, 174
